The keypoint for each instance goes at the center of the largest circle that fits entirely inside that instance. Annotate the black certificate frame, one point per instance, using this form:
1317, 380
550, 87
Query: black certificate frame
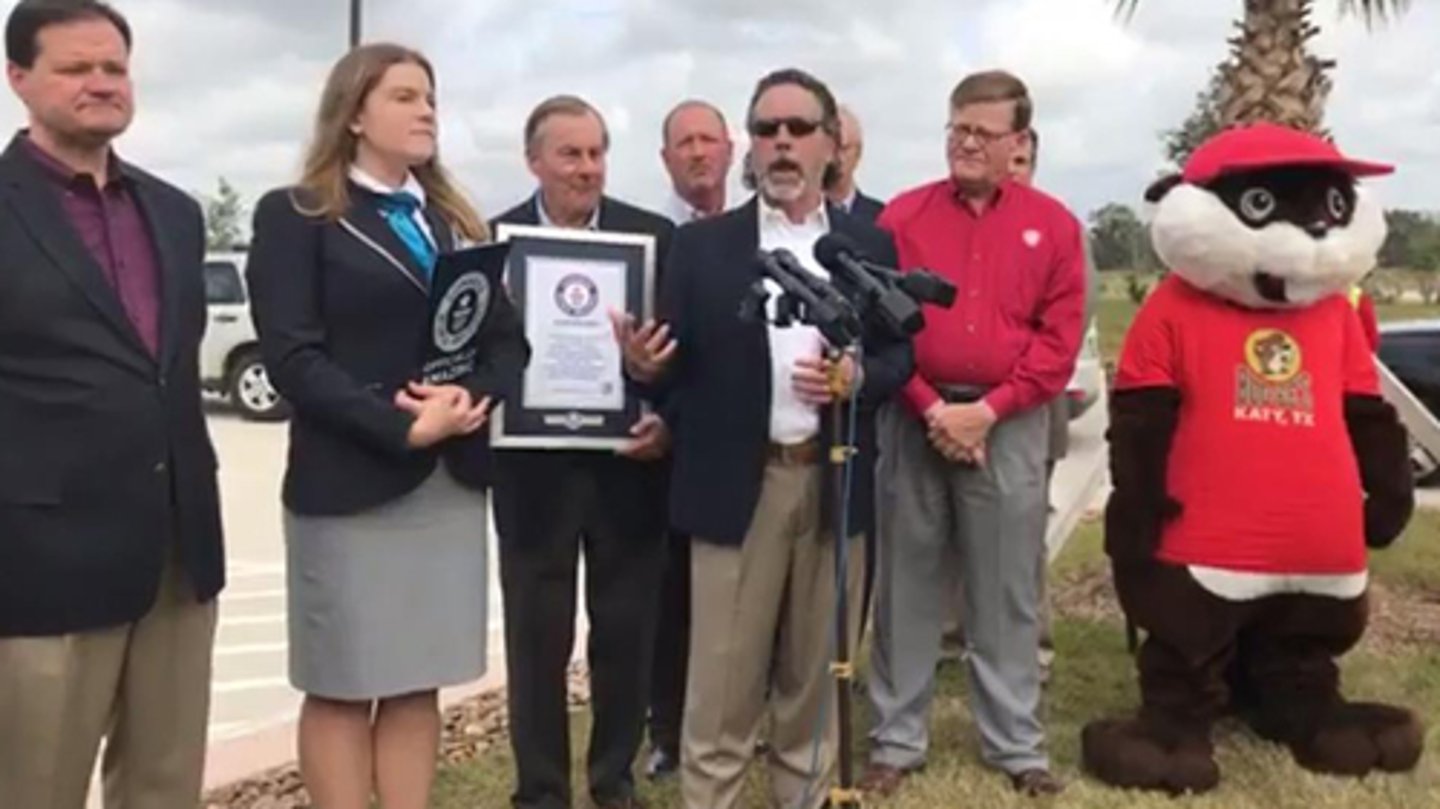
515, 426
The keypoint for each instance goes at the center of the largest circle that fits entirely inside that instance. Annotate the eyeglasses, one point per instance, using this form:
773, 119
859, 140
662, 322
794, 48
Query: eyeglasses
963, 132
770, 127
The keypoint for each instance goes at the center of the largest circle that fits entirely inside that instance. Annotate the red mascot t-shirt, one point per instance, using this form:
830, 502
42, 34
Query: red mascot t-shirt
1261, 461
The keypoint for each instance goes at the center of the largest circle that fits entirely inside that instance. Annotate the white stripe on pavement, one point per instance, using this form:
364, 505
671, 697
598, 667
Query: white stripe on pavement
253, 684
250, 649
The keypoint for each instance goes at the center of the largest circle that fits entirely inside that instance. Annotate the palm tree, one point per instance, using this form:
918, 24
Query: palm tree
1271, 74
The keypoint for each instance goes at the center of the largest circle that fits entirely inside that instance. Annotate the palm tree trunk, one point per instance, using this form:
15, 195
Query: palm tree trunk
1272, 76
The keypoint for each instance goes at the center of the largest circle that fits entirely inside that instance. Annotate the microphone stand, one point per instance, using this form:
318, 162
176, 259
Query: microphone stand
844, 795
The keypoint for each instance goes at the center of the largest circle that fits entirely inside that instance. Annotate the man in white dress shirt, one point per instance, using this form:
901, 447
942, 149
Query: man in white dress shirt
697, 152
750, 480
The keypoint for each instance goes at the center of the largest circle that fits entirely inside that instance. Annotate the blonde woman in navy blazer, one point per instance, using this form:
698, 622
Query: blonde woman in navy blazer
385, 485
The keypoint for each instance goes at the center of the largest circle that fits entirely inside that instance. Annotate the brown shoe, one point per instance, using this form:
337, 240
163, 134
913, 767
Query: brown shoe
1036, 783
882, 780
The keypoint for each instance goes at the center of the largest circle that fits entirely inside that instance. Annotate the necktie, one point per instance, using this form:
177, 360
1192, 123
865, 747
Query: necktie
400, 210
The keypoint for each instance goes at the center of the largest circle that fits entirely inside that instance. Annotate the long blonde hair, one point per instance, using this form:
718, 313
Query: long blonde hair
332, 149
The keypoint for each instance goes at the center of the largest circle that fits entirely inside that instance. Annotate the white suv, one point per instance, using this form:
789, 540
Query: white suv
230, 353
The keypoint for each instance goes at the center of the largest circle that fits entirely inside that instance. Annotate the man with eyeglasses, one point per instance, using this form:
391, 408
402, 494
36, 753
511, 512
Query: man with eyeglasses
843, 192
962, 462
751, 480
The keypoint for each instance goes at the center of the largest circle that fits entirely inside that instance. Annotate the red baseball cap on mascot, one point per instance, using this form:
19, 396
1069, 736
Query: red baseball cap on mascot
1265, 145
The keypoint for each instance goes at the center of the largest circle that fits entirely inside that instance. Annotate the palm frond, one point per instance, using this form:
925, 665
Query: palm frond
1372, 10
1125, 9
1368, 10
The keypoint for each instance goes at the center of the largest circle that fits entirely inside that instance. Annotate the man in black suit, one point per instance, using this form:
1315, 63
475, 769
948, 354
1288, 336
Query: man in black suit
842, 191
551, 503
110, 540
751, 483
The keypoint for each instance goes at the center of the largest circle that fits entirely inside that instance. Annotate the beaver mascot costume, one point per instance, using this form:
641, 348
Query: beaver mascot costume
1253, 461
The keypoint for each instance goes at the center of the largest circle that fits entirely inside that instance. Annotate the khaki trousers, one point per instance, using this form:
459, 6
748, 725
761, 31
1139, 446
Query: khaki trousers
144, 687
762, 623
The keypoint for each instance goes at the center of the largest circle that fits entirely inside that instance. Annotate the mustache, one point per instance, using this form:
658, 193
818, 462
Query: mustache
782, 164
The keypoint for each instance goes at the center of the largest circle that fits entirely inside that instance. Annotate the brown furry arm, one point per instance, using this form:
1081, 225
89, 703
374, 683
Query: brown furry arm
1142, 425
1383, 449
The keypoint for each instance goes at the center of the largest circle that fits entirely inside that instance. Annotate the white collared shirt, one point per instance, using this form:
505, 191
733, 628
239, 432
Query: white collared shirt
412, 186
546, 221
792, 421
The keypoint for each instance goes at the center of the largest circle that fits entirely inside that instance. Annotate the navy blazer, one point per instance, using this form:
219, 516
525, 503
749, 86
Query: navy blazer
342, 309
719, 382
106, 465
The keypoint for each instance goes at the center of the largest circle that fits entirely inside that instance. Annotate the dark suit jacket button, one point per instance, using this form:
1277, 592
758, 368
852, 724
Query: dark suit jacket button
160, 468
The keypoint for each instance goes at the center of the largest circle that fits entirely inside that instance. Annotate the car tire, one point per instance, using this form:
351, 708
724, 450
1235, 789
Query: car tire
250, 391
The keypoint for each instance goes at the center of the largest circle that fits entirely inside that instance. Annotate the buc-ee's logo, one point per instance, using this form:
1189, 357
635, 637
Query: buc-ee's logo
1272, 385
577, 295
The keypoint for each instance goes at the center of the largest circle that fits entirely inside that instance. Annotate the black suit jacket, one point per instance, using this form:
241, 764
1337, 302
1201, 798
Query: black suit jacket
866, 208
342, 309
536, 470
105, 462
720, 379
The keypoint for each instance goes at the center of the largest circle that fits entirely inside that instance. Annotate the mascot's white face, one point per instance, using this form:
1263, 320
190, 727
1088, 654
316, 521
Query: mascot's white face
1280, 237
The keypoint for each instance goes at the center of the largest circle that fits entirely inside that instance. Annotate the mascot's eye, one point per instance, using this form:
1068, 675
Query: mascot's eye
1256, 204
1337, 204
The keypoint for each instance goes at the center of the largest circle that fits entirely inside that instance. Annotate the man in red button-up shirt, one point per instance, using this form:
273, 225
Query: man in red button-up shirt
964, 450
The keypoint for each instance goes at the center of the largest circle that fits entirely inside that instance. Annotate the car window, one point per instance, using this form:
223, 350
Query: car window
1410, 349
222, 283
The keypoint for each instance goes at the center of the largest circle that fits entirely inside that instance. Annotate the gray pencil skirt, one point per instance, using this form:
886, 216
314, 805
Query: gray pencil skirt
392, 600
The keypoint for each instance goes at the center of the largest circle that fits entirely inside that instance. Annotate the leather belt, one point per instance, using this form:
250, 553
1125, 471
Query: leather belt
960, 394
805, 453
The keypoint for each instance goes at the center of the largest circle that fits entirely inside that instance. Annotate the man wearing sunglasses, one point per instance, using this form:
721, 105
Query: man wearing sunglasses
963, 450
751, 481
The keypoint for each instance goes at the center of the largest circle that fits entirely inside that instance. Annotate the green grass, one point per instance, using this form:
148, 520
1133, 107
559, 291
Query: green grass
1094, 677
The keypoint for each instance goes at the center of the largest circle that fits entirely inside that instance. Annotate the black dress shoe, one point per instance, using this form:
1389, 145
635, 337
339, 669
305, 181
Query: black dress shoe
662, 764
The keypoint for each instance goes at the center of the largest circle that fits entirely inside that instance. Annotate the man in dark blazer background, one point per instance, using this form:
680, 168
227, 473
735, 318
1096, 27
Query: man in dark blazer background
842, 191
551, 503
110, 538
751, 480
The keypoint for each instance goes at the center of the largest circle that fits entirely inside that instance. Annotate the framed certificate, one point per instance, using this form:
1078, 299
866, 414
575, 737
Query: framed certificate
564, 284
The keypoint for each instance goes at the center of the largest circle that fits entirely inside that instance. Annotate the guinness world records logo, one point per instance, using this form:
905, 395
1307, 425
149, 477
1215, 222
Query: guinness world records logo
577, 295
461, 312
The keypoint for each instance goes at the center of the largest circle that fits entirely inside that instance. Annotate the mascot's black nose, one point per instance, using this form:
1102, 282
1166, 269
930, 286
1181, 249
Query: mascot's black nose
1318, 229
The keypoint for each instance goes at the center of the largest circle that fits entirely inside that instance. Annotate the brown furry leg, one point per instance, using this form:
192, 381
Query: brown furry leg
1181, 664
1292, 665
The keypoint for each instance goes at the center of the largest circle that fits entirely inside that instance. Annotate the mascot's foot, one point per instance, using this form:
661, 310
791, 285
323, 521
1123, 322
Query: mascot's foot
1359, 737
1139, 754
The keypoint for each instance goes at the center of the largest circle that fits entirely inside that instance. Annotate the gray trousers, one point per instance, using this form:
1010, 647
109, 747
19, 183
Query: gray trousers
992, 519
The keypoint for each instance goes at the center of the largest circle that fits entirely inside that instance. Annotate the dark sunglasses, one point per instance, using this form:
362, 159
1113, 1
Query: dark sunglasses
770, 127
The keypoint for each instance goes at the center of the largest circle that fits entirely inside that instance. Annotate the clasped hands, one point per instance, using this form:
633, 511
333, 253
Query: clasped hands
959, 431
441, 412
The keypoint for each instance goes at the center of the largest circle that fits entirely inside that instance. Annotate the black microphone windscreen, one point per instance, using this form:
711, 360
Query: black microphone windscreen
831, 246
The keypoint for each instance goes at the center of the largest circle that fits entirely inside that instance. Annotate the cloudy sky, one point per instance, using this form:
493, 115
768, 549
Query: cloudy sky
228, 87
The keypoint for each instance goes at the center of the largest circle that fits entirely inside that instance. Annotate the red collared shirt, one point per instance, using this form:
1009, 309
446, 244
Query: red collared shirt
1019, 272
112, 227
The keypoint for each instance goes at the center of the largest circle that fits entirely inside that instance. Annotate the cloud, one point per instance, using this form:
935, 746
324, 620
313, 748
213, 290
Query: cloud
229, 87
